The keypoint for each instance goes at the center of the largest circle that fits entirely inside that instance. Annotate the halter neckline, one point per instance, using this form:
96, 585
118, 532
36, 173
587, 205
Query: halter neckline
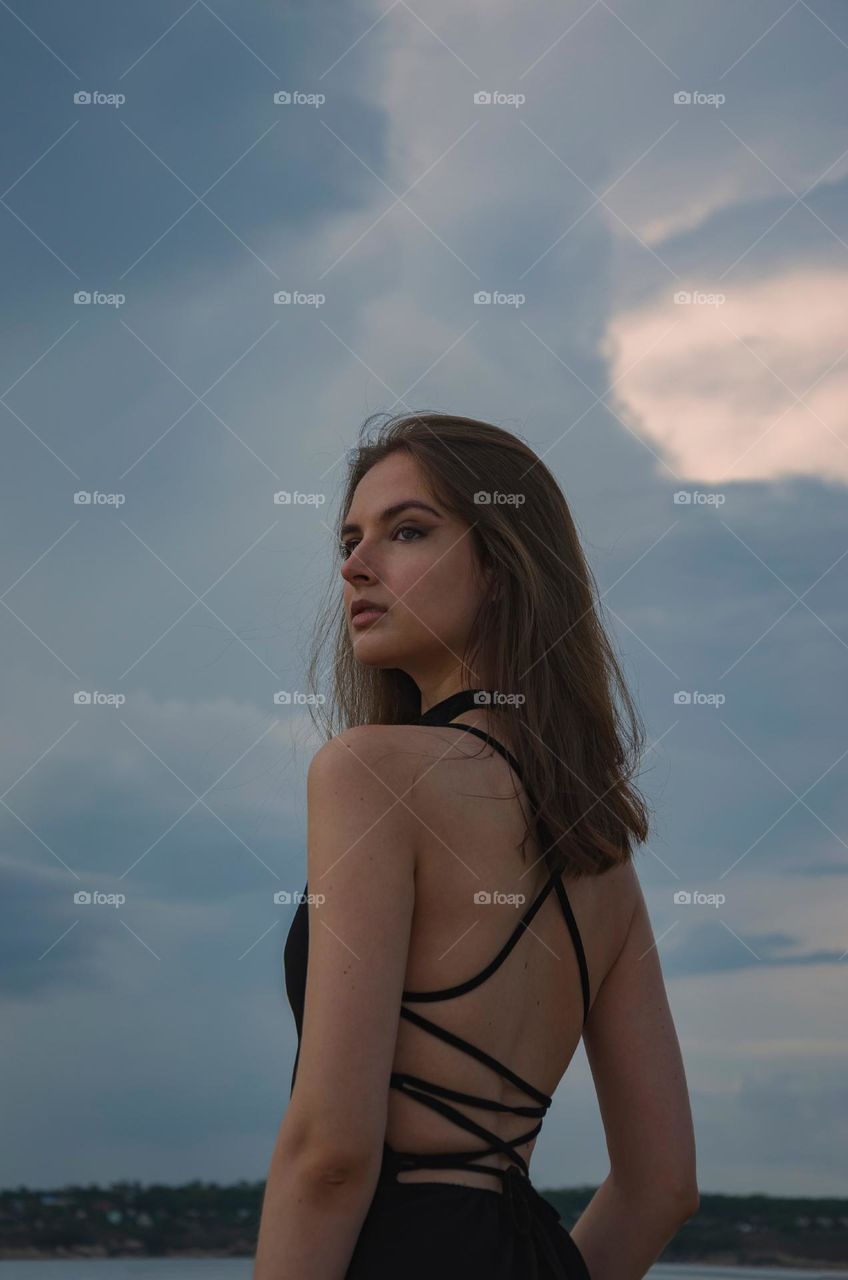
455, 704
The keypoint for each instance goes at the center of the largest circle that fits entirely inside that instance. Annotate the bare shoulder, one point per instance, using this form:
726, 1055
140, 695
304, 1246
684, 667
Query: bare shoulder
621, 889
389, 749
606, 906
369, 764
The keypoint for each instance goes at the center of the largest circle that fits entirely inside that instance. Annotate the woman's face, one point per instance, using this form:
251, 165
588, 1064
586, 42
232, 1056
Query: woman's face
417, 563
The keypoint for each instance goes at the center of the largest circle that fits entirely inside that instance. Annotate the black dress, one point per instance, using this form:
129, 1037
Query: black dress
447, 1231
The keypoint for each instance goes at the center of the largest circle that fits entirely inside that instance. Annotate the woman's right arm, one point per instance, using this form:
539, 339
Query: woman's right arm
635, 1059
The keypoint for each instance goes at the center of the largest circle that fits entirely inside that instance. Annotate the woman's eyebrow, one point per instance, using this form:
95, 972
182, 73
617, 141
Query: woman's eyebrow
394, 510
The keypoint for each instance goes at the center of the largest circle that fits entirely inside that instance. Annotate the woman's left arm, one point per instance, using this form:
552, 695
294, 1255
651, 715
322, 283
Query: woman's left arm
361, 878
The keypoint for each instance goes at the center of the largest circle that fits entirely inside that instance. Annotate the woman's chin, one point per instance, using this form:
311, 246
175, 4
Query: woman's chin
374, 652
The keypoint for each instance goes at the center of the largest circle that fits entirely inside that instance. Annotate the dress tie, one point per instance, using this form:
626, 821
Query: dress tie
538, 1231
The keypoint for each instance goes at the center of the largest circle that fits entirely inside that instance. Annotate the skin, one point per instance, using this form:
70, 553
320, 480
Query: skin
373, 843
421, 565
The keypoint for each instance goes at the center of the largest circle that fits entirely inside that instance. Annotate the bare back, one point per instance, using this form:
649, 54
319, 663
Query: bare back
529, 1013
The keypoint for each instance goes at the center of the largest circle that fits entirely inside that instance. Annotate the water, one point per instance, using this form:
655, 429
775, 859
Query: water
241, 1269
131, 1269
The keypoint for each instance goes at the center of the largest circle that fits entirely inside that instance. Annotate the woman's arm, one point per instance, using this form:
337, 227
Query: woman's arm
638, 1071
361, 859
311, 1218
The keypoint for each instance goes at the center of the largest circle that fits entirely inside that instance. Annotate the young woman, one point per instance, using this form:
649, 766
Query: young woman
471, 907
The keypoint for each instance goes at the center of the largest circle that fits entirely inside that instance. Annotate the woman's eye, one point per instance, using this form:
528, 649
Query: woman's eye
409, 528
347, 547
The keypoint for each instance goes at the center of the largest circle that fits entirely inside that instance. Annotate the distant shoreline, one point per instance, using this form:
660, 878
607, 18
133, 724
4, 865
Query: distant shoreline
779, 1260
206, 1220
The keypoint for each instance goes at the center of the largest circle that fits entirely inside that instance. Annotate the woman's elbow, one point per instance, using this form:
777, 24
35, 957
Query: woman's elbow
668, 1196
693, 1202
683, 1197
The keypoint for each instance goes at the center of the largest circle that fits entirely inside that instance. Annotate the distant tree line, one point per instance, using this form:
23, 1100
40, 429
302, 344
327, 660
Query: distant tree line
200, 1219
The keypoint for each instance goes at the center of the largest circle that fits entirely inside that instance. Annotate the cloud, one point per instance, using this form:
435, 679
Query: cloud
715, 388
706, 947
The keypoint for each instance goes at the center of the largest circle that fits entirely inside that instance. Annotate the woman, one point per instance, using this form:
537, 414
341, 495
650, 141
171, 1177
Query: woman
472, 908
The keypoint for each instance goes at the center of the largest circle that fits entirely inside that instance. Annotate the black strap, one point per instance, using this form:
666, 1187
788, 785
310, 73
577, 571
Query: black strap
458, 1158
493, 742
442, 714
485, 1058
447, 993
455, 704
469, 1099
578, 946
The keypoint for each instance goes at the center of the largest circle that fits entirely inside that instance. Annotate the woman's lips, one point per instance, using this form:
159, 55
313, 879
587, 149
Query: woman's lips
366, 616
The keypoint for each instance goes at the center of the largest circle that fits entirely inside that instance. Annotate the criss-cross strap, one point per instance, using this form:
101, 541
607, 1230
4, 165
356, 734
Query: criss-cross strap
457, 1042
403, 1079
497, 1145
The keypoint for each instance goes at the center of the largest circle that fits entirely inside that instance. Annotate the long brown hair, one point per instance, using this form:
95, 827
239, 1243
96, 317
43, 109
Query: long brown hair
539, 629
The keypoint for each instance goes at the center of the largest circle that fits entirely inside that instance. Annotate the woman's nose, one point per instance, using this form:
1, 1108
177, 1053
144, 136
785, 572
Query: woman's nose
355, 568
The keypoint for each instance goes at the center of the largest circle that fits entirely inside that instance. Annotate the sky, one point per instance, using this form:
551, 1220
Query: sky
653, 197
